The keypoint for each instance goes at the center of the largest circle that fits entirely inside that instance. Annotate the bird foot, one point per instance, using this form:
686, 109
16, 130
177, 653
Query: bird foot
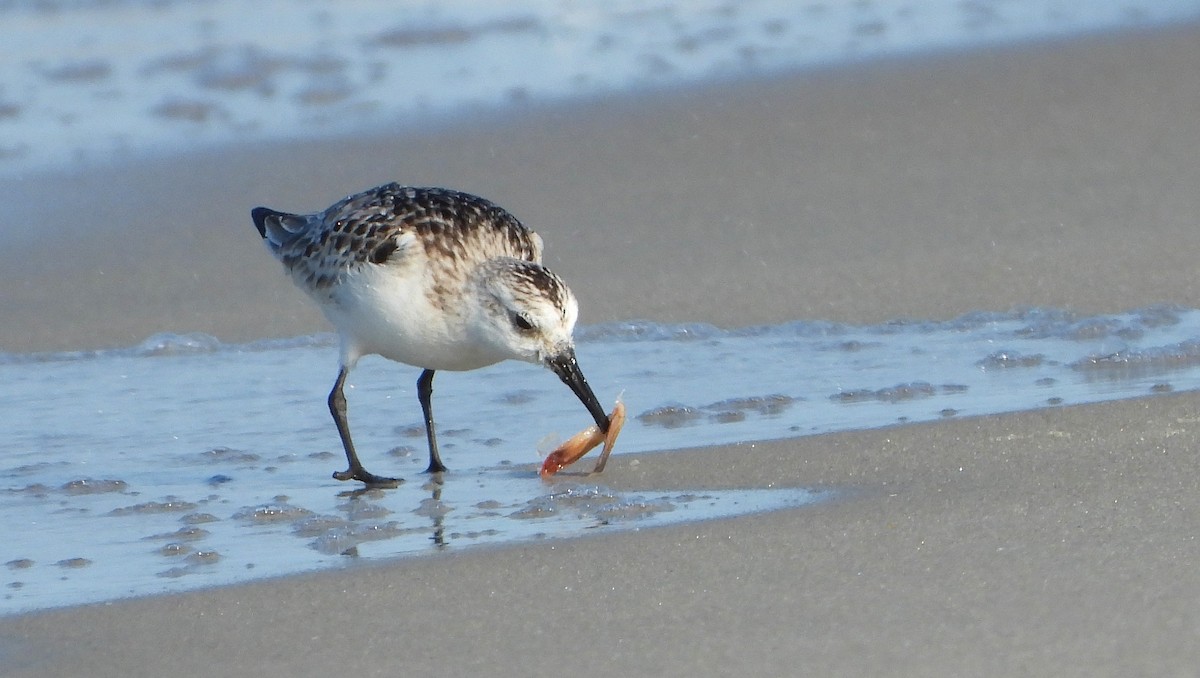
365, 476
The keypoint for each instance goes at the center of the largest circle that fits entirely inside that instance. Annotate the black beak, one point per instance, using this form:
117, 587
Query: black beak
567, 369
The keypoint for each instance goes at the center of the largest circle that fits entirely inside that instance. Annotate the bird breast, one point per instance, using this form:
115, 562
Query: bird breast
406, 318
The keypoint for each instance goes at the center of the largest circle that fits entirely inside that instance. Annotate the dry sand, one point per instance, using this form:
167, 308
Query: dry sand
1060, 542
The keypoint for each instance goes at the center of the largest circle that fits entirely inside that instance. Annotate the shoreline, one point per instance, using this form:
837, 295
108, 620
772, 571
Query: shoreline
921, 188
206, 73
1054, 542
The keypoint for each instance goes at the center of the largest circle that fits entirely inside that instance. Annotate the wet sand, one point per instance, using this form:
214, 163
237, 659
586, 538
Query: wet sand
1058, 542
1053, 543
1049, 175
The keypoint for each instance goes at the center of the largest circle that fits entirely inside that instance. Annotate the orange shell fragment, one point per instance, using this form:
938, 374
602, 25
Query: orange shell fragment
585, 441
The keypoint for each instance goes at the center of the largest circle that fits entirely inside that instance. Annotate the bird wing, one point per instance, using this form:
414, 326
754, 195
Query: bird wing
381, 225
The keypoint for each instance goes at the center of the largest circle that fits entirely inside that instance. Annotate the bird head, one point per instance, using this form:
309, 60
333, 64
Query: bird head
528, 313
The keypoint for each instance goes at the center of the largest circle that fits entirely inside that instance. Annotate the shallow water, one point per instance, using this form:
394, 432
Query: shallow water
184, 462
87, 81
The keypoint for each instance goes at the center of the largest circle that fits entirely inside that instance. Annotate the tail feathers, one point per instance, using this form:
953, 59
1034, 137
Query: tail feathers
278, 228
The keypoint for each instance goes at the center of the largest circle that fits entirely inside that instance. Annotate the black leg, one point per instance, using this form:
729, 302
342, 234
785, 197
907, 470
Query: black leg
337, 407
424, 394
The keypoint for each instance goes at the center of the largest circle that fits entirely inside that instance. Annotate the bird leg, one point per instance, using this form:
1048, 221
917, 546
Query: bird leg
337, 407
425, 395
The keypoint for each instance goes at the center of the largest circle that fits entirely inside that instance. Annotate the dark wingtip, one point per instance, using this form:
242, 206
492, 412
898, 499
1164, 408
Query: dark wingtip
259, 215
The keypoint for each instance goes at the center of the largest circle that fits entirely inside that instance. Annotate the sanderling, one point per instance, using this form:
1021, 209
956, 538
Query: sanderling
432, 278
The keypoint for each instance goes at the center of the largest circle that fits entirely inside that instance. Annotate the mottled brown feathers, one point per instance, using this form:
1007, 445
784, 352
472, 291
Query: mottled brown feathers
380, 254
537, 278
455, 229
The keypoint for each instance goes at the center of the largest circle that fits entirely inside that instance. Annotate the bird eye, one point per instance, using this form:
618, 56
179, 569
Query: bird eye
522, 322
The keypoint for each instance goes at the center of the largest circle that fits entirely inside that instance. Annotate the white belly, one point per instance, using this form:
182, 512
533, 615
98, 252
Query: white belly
378, 312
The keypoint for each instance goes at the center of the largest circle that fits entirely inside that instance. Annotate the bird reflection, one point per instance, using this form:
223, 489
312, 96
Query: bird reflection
359, 504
